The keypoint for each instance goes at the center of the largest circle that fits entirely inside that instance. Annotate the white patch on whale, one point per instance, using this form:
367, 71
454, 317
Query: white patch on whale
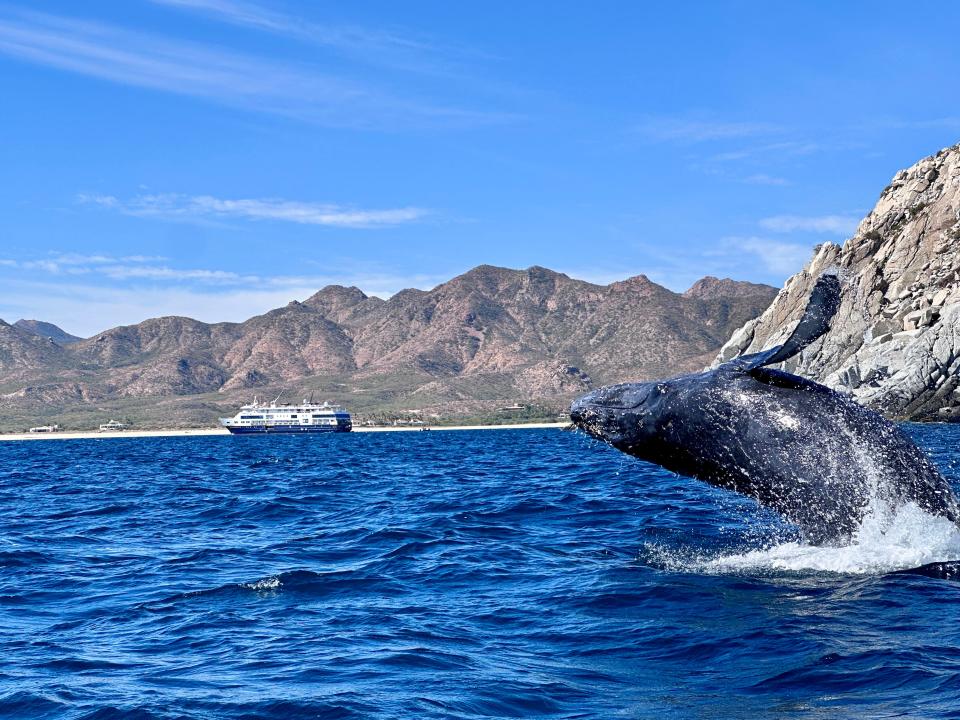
785, 420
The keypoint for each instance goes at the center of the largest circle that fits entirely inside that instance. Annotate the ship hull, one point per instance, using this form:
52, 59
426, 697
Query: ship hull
286, 429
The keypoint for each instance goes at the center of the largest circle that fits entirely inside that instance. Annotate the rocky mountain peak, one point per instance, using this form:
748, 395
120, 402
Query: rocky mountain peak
639, 284
336, 297
538, 272
895, 342
485, 279
47, 330
710, 287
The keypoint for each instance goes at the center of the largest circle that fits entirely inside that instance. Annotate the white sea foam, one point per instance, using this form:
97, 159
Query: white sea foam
264, 584
886, 540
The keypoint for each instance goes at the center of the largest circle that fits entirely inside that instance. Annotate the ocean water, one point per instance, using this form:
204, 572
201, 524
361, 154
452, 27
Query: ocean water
515, 574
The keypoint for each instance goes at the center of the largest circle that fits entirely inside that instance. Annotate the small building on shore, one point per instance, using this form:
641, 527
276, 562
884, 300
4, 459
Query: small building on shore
45, 429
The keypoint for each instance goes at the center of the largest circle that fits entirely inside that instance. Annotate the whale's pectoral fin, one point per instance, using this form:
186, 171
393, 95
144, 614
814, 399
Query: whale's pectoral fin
823, 305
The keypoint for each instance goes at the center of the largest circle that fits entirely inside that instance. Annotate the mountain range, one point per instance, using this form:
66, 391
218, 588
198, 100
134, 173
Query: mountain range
487, 337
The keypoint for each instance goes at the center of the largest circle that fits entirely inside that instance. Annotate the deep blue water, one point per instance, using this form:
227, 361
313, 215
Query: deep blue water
527, 574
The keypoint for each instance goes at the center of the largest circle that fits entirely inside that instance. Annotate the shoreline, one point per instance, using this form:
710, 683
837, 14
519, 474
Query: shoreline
201, 432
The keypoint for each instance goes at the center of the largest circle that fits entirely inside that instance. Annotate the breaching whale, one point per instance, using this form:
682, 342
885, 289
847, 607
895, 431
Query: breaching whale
812, 454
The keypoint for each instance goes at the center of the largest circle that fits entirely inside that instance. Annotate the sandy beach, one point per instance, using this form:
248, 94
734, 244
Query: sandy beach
196, 432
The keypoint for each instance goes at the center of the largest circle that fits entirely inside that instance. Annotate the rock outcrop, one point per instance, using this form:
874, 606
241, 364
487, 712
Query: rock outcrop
895, 342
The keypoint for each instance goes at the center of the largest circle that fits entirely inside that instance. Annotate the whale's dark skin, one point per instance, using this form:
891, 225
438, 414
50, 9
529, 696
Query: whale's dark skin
812, 454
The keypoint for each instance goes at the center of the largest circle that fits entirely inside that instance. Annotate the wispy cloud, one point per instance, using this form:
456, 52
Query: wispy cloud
109, 291
257, 16
73, 259
371, 44
173, 206
764, 179
782, 149
242, 81
148, 272
945, 122
686, 130
119, 268
75, 264
829, 224
735, 150
781, 258
138, 267
88, 309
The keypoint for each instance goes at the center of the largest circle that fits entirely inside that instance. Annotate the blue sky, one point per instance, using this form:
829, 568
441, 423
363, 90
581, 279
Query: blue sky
217, 158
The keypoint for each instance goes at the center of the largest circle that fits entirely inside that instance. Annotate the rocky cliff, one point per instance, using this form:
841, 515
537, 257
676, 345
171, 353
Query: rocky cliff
895, 343
485, 337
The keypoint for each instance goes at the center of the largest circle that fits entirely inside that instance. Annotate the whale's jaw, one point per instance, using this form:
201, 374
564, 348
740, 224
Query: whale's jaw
596, 420
580, 414
621, 415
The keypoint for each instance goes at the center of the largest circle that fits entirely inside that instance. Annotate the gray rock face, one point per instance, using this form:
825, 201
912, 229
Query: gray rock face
895, 342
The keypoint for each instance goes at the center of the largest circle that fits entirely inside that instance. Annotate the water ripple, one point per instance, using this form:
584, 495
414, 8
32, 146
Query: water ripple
515, 574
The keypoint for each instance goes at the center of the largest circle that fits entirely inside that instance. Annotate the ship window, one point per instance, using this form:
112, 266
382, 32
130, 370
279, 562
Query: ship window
251, 417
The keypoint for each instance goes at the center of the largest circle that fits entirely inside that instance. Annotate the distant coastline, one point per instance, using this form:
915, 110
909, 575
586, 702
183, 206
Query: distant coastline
492, 343
200, 432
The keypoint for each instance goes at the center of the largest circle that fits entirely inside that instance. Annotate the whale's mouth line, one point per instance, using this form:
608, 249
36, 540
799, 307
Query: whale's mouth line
593, 430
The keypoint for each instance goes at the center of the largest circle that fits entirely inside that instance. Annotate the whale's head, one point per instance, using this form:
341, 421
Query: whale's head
629, 416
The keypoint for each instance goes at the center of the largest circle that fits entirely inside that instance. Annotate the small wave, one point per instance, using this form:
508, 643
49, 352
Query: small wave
211, 555
263, 584
304, 582
270, 462
887, 540
93, 512
79, 665
28, 704
22, 558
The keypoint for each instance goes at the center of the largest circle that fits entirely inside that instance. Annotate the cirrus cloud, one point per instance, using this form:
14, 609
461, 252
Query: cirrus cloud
831, 224
175, 206
109, 291
307, 93
776, 256
692, 130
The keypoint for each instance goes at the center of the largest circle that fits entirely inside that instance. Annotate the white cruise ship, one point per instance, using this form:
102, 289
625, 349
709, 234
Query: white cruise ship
307, 417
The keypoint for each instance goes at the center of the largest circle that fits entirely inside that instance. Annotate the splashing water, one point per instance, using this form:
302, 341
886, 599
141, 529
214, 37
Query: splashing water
887, 539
